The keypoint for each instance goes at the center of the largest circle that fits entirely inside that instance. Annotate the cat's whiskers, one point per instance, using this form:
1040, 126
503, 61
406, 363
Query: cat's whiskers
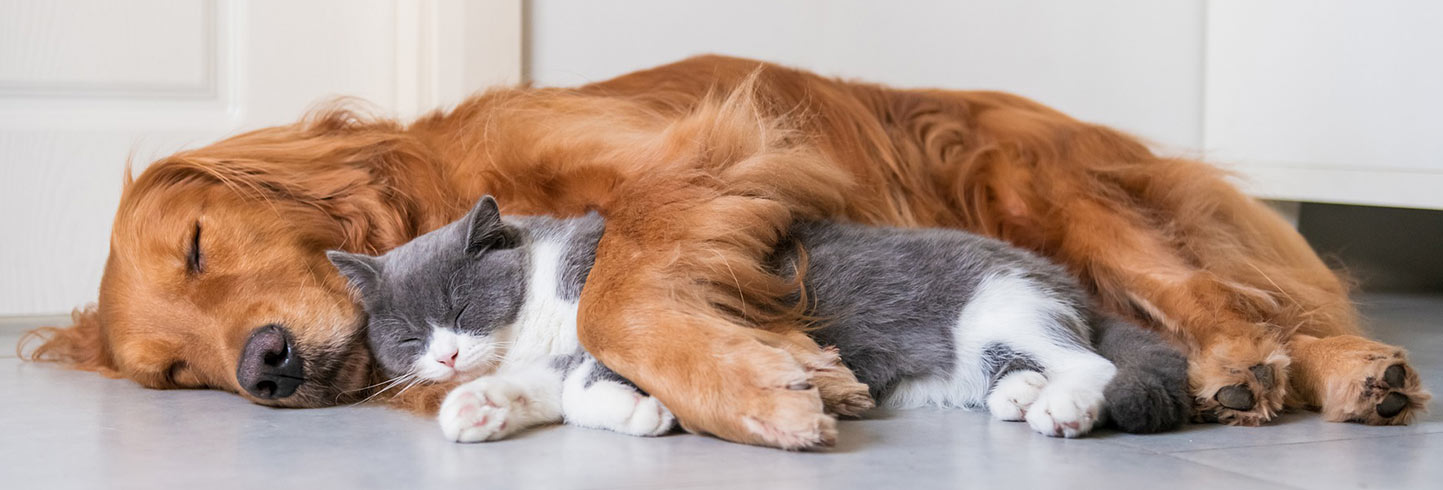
385, 381
414, 381
389, 384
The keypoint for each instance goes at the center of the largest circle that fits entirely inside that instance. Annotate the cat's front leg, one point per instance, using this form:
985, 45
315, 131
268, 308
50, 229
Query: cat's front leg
1072, 401
596, 397
494, 407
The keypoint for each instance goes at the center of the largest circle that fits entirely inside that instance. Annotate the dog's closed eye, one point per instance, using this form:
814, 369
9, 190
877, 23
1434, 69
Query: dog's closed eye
194, 259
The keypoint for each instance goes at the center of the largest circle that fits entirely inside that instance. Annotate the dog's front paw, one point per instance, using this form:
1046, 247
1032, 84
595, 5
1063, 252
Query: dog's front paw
1354, 379
1239, 381
479, 410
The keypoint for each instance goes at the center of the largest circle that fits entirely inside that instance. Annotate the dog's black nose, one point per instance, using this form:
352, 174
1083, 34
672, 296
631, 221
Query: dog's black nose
270, 367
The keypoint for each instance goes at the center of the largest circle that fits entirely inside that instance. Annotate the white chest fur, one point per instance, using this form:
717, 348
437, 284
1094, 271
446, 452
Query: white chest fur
546, 324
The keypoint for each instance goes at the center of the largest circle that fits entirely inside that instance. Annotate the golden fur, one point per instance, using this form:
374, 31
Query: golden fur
1322, 375
699, 166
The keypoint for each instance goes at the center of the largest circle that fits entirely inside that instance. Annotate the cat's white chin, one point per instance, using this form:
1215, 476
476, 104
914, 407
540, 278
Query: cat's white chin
451, 356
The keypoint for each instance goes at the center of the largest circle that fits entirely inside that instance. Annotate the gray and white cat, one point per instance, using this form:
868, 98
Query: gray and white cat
924, 317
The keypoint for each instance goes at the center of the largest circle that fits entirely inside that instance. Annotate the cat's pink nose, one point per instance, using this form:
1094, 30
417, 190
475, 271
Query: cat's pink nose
449, 361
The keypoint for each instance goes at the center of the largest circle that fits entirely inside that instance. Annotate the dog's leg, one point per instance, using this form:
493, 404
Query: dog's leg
650, 312
1235, 311
841, 393
1163, 240
1348, 377
1353, 379
1237, 366
1258, 284
714, 376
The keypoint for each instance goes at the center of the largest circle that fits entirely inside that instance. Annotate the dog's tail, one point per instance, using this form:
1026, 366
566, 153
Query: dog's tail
1149, 392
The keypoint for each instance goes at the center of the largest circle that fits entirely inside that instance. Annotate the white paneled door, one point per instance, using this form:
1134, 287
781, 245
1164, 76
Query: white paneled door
86, 85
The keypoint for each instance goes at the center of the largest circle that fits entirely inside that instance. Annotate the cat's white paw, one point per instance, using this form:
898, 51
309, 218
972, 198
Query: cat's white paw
479, 410
1065, 411
1014, 394
616, 407
650, 418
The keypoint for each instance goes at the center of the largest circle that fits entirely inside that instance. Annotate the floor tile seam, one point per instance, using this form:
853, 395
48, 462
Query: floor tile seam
1230, 471
1429, 432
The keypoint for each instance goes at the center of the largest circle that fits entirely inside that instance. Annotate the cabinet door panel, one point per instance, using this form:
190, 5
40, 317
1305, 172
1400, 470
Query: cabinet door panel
1329, 101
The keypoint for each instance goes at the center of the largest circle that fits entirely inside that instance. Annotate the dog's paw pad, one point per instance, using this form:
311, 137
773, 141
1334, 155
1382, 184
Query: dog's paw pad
1231, 390
1236, 397
1396, 375
1392, 405
1265, 375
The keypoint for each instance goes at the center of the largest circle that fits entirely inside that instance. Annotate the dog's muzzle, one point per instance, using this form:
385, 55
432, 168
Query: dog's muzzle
270, 368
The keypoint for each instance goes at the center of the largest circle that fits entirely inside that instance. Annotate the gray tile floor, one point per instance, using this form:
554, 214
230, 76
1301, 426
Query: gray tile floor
66, 429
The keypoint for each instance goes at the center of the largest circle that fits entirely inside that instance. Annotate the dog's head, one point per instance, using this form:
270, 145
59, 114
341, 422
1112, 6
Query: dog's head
217, 275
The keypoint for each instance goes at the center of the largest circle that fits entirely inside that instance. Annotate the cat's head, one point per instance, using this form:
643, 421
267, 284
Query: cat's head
438, 306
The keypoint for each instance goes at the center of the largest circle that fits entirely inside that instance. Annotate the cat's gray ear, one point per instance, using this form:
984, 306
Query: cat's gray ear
362, 271
485, 230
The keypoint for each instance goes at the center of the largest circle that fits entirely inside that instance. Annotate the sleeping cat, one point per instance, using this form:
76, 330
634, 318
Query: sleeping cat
924, 317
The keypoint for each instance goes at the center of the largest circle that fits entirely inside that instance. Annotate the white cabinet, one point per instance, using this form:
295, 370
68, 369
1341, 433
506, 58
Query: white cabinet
1328, 101
1331, 101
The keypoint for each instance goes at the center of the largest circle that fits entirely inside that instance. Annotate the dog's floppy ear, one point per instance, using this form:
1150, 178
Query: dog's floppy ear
79, 346
361, 270
485, 230
360, 182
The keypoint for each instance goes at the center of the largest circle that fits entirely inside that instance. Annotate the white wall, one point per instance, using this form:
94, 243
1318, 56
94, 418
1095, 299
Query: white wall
1327, 101
1133, 64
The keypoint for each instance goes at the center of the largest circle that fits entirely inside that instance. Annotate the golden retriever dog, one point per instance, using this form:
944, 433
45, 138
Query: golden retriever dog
217, 279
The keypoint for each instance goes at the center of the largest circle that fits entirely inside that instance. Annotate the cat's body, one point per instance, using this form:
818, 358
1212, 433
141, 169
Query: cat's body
923, 317
439, 308
944, 318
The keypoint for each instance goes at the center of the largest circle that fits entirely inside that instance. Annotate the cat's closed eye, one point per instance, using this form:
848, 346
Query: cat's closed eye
410, 340
457, 316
